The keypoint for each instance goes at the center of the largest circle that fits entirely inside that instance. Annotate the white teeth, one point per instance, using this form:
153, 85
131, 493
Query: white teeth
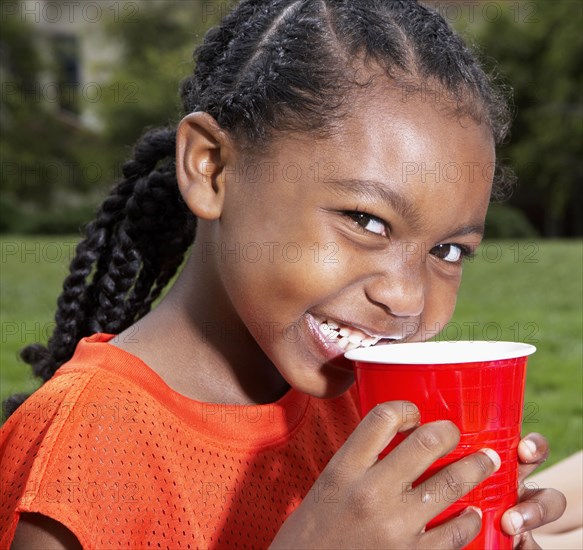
370, 341
327, 329
351, 346
345, 337
343, 342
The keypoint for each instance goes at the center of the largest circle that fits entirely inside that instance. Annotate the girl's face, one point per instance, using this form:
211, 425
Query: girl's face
362, 234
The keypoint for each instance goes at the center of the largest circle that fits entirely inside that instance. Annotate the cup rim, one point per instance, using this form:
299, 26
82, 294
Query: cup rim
440, 353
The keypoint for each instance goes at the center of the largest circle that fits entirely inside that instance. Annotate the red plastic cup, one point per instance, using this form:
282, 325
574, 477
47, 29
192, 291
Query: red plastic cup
477, 385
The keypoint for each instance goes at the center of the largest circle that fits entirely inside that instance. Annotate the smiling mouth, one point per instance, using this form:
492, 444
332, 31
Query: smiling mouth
347, 337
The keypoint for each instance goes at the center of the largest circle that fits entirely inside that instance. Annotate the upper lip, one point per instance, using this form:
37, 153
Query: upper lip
370, 332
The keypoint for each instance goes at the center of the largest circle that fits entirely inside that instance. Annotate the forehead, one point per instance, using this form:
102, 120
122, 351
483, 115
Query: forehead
414, 129
399, 138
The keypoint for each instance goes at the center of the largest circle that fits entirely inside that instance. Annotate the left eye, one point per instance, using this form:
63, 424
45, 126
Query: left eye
448, 252
369, 223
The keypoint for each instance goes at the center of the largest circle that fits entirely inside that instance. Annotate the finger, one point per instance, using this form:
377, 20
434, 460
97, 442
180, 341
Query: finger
417, 452
533, 450
456, 533
450, 484
539, 508
373, 434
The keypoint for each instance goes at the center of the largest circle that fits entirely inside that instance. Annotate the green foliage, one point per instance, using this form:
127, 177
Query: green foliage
506, 222
48, 160
539, 51
156, 55
55, 170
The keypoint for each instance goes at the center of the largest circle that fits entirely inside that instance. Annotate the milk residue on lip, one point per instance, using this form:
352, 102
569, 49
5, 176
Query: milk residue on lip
436, 353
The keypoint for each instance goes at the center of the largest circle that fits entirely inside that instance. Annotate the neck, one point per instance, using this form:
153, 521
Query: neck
198, 344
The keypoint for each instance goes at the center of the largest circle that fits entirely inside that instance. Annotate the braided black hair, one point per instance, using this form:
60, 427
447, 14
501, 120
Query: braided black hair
270, 66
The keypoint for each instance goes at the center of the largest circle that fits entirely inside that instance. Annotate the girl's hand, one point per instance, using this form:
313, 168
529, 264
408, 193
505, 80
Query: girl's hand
374, 505
535, 506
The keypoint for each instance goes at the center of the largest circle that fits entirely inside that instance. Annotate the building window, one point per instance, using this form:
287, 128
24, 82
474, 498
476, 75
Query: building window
67, 71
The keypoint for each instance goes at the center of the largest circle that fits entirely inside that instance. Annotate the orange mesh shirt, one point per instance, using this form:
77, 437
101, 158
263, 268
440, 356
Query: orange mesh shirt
110, 451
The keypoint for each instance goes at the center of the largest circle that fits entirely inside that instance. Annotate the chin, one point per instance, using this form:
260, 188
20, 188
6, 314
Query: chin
330, 381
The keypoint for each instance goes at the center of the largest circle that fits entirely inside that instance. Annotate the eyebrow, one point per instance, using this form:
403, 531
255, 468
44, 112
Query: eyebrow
477, 228
372, 190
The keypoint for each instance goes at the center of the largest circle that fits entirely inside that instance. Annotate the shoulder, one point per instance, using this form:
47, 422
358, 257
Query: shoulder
56, 451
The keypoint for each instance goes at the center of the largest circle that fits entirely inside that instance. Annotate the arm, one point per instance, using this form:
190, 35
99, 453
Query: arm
38, 531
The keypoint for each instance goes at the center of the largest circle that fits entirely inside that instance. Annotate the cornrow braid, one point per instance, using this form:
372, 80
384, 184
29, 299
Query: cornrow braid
290, 65
270, 66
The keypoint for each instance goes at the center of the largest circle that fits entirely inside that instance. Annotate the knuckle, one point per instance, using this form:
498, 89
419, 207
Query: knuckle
427, 440
384, 414
457, 535
337, 473
483, 463
451, 484
541, 509
363, 500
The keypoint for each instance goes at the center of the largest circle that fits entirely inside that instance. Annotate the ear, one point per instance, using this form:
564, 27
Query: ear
203, 150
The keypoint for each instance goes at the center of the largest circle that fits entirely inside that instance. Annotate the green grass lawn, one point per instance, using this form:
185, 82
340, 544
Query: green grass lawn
531, 292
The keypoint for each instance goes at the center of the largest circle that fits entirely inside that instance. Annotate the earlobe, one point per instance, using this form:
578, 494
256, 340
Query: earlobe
202, 151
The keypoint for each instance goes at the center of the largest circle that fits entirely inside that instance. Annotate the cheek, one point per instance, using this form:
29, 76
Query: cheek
278, 282
281, 265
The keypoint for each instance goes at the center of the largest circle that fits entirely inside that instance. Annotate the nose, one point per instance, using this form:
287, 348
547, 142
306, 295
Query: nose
399, 289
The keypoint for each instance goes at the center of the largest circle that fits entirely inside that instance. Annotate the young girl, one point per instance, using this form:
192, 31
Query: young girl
336, 162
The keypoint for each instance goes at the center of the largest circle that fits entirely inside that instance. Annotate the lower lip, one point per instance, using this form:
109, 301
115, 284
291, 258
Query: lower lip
328, 349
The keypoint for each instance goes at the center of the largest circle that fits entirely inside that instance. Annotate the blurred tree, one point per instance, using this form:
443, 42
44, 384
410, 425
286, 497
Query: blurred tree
48, 157
41, 149
155, 55
540, 56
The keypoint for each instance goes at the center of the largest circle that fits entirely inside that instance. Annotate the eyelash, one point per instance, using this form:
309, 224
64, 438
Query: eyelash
353, 214
466, 253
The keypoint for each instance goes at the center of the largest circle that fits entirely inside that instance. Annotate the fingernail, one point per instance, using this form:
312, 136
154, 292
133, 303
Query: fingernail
493, 456
517, 521
473, 509
530, 448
